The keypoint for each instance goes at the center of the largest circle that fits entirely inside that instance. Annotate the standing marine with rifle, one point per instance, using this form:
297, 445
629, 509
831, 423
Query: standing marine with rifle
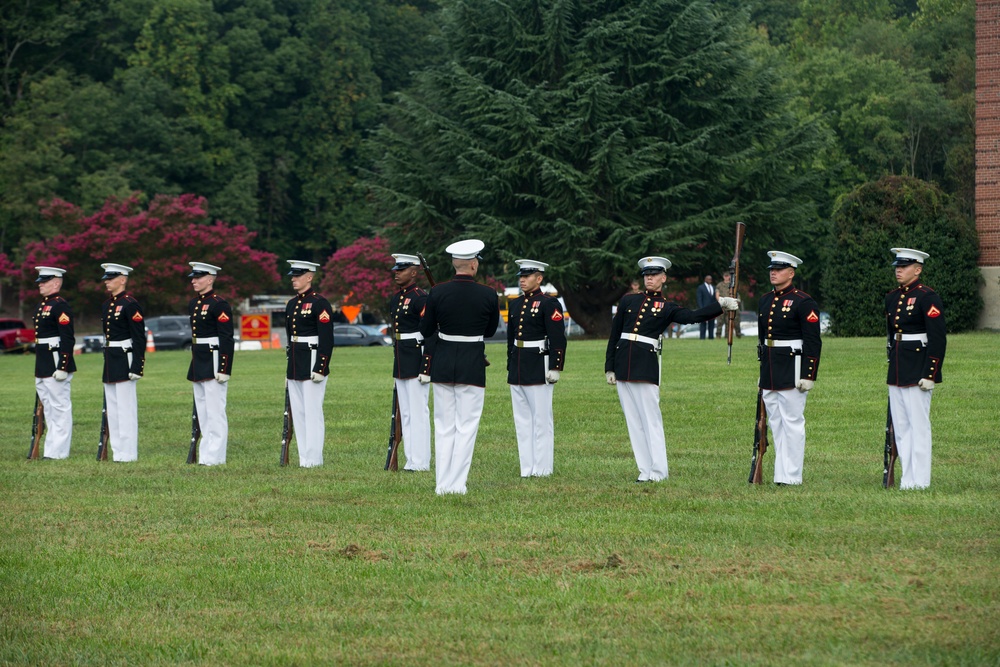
536, 353
917, 338
788, 348
54, 366
632, 361
211, 366
124, 361
309, 326
410, 397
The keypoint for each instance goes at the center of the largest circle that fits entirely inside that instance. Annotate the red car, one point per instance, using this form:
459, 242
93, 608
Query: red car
14, 336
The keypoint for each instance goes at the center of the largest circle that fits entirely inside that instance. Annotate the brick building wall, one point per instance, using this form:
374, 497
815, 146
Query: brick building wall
988, 155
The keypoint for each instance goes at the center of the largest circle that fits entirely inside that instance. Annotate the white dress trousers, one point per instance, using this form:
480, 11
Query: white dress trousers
210, 404
306, 399
532, 406
58, 407
123, 420
786, 417
457, 409
641, 405
416, 423
911, 421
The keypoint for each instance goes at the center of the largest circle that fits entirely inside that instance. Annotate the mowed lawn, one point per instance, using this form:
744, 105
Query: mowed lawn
159, 562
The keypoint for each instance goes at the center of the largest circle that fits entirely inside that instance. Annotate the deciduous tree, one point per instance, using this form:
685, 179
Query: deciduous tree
158, 241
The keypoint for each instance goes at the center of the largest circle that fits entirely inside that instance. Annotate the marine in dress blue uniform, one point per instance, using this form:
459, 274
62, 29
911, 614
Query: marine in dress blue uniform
536, 354
405, 308
124, 361
309, 326
632, 362
54, 362
789, 349
211, 366
917, 338
462, 313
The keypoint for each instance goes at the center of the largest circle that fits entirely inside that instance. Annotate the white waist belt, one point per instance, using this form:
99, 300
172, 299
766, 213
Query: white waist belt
797, 344
124, 344
540, 344
416, 335
311, 340
460, 339
199, 340
922, 337
636, 338
51, 342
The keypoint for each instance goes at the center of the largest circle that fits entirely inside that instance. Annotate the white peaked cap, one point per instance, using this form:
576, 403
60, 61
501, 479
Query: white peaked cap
300, 266
112, 270
654, 265
906, 256
467, 249
201, 268
404, 261
528, 266
780, 260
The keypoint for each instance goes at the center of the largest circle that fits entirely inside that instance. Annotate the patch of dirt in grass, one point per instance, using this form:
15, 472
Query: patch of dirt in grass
613, 562
351, 551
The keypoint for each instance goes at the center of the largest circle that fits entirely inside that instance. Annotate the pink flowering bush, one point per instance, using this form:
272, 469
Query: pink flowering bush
157, 241
359, 275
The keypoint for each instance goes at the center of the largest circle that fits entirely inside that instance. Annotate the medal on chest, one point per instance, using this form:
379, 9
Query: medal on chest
911, 303
786, 305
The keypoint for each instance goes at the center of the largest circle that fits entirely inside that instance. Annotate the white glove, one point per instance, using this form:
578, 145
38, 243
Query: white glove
729, 303
133, 376
552, 377
804, 385
221, 378
610, 375
60, 376
424, 379
316, 377
925, 384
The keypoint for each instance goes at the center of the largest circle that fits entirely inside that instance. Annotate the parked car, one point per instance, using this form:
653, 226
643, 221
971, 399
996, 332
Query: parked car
355, 335
501, 334
15, 337
92, 344
170, 332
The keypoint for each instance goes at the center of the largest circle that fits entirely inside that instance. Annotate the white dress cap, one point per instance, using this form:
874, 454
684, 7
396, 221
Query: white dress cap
48, 273
905, 256
201, 269
782, 260
112, 270
299, 267
404, 261
528, 266
651, 265
468, 249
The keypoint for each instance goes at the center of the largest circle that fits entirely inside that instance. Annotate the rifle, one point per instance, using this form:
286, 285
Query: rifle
734, 283
427, 270
891, 454
395, 434
195, 434
102, 443
37, 427
759, 441
287, 429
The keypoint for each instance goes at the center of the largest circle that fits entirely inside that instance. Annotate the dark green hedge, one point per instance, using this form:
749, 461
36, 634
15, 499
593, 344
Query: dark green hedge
899, 211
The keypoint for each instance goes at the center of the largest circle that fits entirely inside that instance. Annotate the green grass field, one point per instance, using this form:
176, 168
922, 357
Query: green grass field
159, 562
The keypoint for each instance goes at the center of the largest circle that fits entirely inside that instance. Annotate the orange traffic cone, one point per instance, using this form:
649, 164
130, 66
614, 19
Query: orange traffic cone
275, 342
150, 345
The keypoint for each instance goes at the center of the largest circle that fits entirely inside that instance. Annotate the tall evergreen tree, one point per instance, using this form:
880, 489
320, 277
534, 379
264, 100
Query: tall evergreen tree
592, 132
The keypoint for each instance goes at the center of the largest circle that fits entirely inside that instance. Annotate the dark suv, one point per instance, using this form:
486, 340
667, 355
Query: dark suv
170, 332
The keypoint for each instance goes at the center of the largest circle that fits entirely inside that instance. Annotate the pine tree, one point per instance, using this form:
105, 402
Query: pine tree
590, 133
